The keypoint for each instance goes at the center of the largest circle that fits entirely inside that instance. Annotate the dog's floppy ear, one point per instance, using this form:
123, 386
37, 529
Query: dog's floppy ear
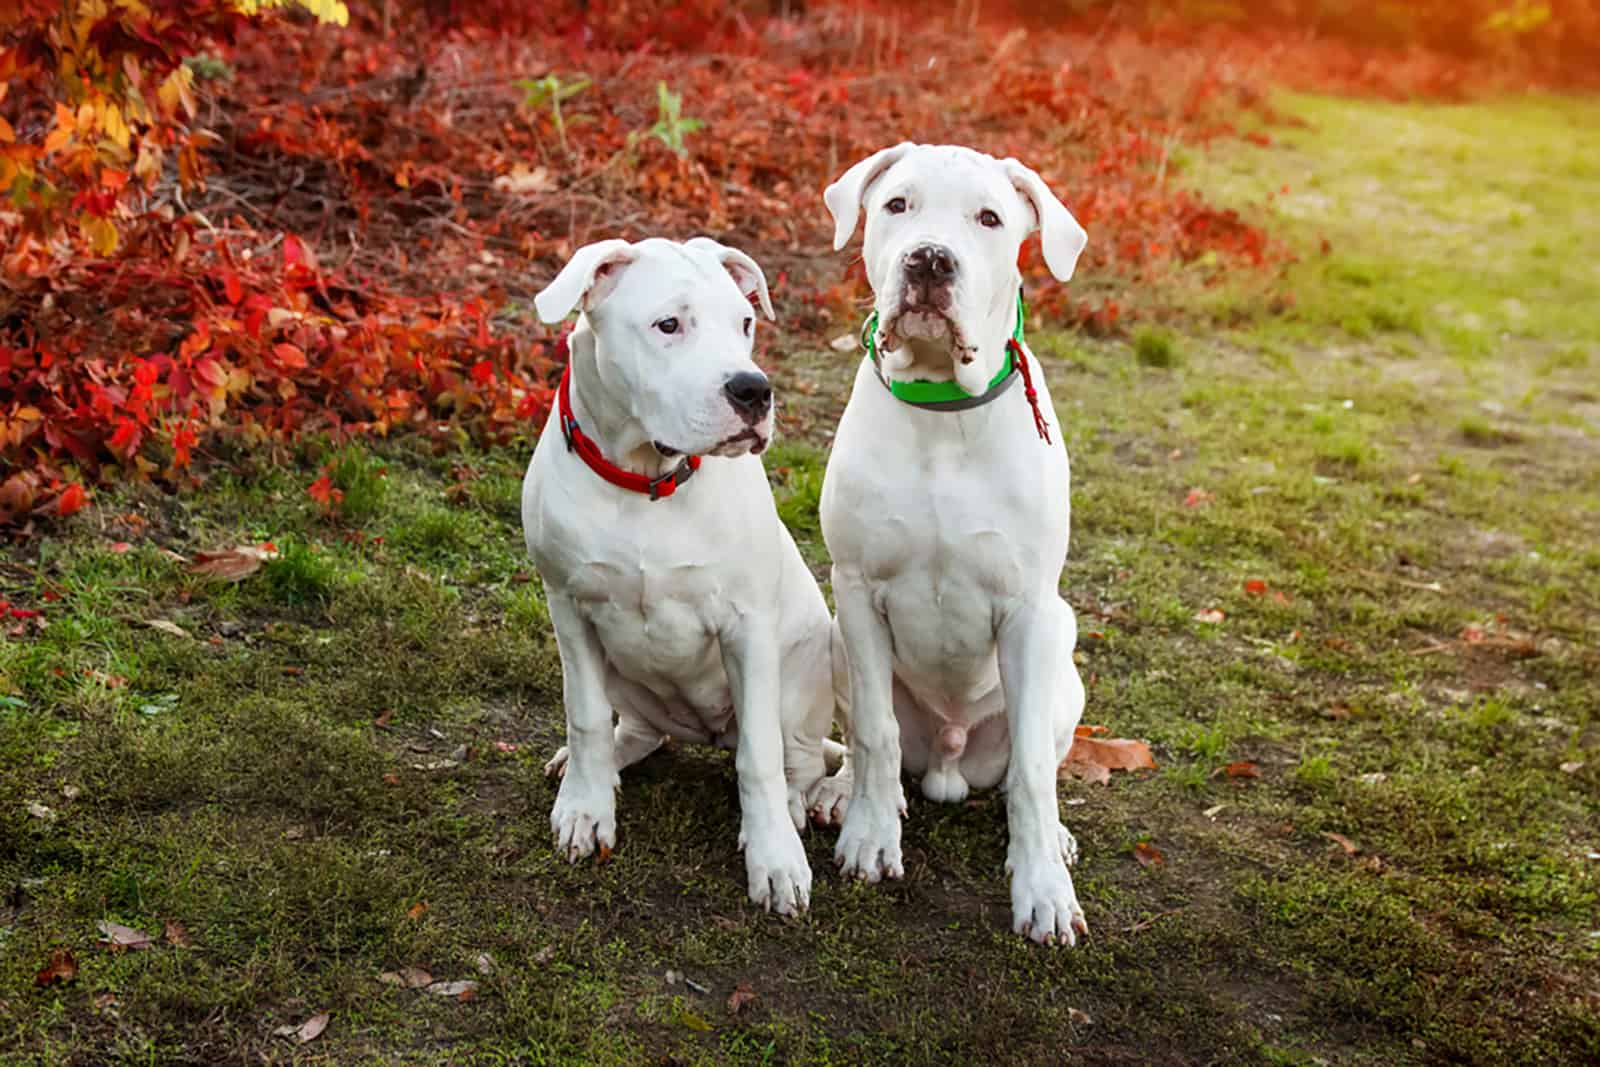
589, 276
844, 196
746, 272
1060, 236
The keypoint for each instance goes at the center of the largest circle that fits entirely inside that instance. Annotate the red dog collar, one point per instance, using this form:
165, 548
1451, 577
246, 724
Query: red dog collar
589, 452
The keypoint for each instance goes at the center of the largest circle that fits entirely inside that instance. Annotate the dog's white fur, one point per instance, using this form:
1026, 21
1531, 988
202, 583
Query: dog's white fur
694, 616
948, 530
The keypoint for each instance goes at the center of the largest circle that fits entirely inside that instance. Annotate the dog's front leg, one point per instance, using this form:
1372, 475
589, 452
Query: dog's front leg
1035, 646
585, 812
774, 860
869, 842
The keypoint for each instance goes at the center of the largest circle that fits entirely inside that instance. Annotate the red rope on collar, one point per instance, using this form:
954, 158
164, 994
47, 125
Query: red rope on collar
589, 452
1020, 358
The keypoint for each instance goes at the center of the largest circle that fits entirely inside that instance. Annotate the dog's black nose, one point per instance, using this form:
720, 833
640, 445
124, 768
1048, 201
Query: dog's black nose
750, 394
930, 264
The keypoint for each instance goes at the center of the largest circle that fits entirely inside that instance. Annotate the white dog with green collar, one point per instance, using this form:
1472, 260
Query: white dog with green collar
946, 510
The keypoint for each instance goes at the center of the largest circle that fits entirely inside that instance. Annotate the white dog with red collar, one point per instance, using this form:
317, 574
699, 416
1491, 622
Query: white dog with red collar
679, 600
945, 508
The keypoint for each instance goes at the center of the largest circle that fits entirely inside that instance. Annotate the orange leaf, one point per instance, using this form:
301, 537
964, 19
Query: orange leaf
418, 909
63, 967
289, 356
1255, 587
1148, 855
741, 995
1242, 769
1092, 759
1349, 846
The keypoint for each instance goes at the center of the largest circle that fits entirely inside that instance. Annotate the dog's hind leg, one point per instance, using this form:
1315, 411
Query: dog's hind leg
633, 740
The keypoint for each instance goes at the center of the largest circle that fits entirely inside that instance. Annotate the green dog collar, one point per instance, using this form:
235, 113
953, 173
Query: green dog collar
946, 396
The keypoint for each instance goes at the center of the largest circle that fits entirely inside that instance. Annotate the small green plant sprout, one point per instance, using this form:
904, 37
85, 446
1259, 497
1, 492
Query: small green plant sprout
549, 91
671, 127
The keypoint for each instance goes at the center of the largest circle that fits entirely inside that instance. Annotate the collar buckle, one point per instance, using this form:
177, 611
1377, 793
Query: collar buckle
675, 477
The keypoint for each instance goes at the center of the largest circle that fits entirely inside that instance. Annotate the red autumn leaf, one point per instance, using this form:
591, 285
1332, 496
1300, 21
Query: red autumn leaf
742, 994
482, 372
1241, 769
289, 357
324, 493
1197, 497
1255, 587
71, 500
1148, 855
62, 967
231, 287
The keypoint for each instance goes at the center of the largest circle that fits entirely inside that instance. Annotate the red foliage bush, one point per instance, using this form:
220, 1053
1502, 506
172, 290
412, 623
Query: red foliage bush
340, 229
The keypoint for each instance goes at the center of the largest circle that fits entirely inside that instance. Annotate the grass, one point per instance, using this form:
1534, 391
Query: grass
333, 769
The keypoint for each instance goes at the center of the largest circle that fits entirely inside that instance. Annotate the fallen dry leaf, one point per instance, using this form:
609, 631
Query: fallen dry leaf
41, 811
119, 937
383, 718
1196, 497
1210, 615
521, 181
62, 967
1148, 855
695, 1022
407, 977
1240, 769
233, 564
1079, 1017
1572, 766
167, 627
1349, 846
1255, 587
417, 910
465, 989
1092, 759
309, 1030
173, 933
1213, 810
741, 995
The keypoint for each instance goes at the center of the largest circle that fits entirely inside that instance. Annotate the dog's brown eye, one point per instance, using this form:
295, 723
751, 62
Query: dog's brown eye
748, 322
667, 325
988, 218
895, 206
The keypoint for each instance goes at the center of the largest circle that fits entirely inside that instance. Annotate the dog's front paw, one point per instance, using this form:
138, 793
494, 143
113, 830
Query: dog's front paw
583, 819
780, 877
829, 800
869, 843
1044, 905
